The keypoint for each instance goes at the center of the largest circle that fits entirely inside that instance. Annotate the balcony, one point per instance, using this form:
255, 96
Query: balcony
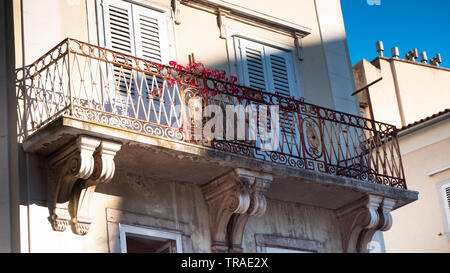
319, 157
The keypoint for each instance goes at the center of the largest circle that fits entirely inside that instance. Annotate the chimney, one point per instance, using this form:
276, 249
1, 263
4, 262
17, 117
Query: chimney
412, 55
423, 57
395, 52
380, 48
436, 61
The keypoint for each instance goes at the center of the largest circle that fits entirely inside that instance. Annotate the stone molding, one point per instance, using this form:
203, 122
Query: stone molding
176, 11
269, 240
115, 217
79, 167
248, 16
231, 199
360, 220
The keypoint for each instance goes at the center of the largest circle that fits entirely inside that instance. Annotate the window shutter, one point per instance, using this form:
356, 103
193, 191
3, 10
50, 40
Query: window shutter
270, 69
253, 64
118, 19
152, 41
142, 32
447, 196
119, 36
282, 82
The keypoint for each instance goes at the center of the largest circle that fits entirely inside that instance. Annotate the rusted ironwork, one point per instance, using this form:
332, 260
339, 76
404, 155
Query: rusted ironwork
96, 84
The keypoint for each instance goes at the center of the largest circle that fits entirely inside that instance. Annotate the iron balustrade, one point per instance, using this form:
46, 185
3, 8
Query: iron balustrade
95, 84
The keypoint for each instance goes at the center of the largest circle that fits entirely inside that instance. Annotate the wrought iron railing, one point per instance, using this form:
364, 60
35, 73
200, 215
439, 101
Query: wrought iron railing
99, 85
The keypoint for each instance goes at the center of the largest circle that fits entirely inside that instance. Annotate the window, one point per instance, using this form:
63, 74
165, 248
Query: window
444, 192
144, 240
284, 250
278, 244
135, 30
270, 69
132, 232
265, 67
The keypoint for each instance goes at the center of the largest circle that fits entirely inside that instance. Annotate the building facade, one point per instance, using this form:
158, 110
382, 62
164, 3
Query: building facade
107, 147
414, 95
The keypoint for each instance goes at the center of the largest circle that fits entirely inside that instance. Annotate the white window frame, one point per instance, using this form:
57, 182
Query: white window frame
97, 24
283, 250
444, 205
266, 243
236, 67
143, 231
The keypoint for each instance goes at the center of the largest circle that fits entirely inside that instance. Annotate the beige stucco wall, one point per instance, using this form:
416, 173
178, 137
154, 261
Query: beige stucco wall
419, 227
424, 90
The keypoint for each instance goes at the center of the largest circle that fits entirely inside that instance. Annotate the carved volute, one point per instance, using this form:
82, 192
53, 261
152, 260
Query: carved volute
78, 168
232, 198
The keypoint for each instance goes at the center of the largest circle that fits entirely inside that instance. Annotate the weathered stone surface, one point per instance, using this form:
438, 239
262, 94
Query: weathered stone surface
233, 198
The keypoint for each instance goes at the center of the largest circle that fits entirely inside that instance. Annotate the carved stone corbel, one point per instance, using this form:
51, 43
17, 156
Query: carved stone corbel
83, 191
176, 11
222, 21
79, 167
299, 45
360, 220
232, 199
72, 163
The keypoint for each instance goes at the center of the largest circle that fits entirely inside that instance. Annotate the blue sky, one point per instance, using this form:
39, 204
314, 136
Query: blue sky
408, 24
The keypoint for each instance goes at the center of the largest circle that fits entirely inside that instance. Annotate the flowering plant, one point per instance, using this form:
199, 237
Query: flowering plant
221, 83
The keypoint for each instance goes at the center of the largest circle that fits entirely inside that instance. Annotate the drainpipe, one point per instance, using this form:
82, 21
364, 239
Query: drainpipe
397, 92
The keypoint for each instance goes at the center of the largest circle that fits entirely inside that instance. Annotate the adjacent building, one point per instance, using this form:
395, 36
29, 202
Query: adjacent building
105, 100
414, 94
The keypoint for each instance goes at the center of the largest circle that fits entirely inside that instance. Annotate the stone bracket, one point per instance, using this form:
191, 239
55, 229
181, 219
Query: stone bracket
222, 22
360, 220
232, 199
176, 11
79, 167
298, 45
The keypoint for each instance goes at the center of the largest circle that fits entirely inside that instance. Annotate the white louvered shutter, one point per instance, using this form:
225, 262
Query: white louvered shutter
281, 72
253, 64
445, 191
118, 26
119, 36
152, 42
253, 69
282, 81
271, 70
447, 197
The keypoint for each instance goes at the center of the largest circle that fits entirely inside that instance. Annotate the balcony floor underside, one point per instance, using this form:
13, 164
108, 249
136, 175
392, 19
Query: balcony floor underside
182, 162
